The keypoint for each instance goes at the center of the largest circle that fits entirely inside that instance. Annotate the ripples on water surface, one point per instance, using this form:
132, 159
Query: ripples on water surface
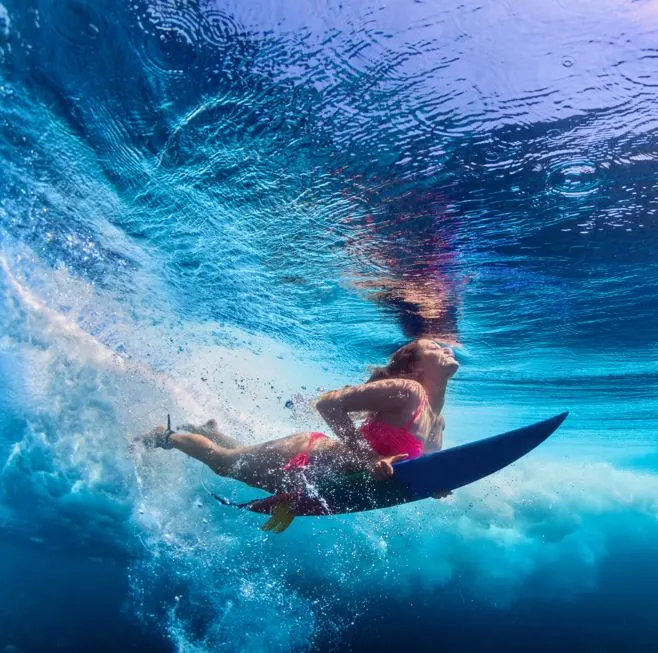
208, 207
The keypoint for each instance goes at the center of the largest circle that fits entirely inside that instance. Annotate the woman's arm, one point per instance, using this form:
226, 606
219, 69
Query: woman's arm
380, 396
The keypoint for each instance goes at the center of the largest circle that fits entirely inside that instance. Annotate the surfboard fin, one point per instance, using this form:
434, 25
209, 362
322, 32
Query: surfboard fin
281, 518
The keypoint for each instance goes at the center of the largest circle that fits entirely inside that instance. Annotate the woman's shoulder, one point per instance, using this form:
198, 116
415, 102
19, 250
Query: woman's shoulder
413, 389
406, 388
389, 395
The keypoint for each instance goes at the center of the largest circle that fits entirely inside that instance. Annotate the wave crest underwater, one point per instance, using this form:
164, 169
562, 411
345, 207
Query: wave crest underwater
209, 209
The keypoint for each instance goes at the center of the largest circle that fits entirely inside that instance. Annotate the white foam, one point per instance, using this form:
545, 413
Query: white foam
544, 520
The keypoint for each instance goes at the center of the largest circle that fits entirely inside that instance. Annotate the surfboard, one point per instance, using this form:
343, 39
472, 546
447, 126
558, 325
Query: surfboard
415, 479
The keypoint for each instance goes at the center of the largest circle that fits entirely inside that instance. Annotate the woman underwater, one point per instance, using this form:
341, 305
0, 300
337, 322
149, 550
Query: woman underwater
403, 403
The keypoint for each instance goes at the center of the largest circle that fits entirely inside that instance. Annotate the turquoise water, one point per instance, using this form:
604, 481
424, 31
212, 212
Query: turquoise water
212, 208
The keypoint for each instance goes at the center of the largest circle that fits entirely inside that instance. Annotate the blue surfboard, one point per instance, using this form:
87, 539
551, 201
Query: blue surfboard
421, 477
459, 466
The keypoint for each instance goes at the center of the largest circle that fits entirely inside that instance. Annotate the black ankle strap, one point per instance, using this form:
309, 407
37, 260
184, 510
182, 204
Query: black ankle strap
165, 439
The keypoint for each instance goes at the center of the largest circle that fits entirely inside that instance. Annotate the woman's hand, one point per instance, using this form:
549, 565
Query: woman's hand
383, 468
442, 495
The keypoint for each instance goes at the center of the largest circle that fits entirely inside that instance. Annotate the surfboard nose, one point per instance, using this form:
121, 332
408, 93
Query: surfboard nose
557, 420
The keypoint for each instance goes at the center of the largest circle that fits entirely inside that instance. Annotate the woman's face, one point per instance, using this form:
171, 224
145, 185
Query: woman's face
434, 357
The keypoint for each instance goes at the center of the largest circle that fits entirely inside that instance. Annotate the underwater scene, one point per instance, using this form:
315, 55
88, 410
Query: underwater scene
239, 211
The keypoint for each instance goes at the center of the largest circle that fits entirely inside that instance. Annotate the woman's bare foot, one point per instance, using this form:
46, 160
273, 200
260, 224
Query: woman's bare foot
208, 429
212, 432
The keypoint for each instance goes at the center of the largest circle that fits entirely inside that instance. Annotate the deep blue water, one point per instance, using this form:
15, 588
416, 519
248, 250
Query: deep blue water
208, 208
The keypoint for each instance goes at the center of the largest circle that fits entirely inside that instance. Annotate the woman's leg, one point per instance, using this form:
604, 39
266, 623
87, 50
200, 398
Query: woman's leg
204, 449
260, 465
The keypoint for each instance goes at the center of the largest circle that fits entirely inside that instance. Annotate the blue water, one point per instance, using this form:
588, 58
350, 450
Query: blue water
209, 208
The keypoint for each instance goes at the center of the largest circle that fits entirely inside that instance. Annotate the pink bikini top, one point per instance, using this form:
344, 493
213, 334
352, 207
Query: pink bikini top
389, 440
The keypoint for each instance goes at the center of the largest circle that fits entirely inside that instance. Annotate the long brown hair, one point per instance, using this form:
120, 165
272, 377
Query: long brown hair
399, 365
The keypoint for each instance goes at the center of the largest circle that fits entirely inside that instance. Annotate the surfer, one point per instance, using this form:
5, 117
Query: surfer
402, 402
